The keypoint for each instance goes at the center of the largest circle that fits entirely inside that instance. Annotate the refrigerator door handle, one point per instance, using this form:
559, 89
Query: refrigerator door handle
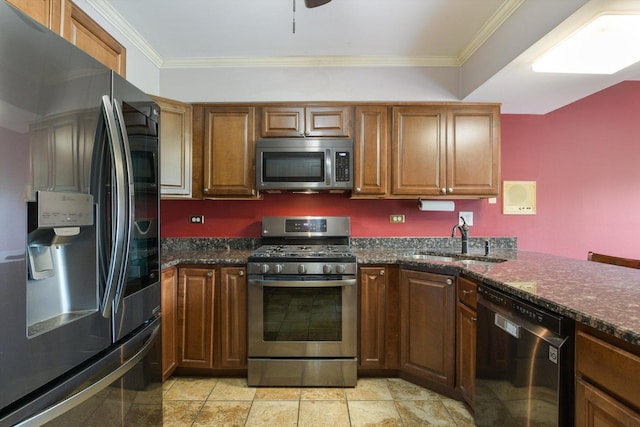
66, 405
119, 211
126, 202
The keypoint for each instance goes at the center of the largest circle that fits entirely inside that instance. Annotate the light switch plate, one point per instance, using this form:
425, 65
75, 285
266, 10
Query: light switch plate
468, 217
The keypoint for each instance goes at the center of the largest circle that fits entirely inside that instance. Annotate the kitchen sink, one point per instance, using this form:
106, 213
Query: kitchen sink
428, 257
465, 259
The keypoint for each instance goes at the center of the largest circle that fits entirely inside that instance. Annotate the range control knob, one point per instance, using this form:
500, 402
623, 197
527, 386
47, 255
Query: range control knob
302, 269
340, 268
277, 268
264, 268
327, 268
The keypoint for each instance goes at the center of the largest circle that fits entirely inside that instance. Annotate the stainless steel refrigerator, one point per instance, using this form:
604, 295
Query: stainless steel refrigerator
79, 237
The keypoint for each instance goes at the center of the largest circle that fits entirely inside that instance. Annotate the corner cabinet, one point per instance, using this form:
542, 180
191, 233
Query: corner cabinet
305, 121
224, 152
212, 312
371, 152
446, 150
427, 329
175, 148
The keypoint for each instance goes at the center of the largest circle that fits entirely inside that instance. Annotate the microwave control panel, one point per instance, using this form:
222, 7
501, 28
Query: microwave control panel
342, 166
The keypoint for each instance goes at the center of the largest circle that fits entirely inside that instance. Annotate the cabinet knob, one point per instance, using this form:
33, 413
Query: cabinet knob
473, 319
241, 273
209, 273
206, 190
443, 190
382, 272
358, 190
449, 282
466, 292
450, 190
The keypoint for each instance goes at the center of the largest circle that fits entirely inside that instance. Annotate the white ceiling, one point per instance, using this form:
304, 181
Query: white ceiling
489, 43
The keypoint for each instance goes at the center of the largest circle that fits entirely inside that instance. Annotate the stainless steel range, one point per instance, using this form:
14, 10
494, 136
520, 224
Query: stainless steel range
303, 304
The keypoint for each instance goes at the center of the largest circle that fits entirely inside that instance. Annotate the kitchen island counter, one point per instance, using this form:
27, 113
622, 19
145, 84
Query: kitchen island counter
603, 296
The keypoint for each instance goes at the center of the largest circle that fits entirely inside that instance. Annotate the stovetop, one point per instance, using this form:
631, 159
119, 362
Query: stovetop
306, 252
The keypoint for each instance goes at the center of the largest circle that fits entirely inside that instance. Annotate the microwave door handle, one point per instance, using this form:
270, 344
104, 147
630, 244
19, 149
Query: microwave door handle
328, 179
126, 202
118, 185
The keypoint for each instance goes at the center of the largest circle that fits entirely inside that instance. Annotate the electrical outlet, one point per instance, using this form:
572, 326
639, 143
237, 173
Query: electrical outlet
196, 219
396, 219
468, 217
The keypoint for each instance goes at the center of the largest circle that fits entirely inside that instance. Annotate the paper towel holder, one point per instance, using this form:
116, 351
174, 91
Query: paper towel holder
436, 205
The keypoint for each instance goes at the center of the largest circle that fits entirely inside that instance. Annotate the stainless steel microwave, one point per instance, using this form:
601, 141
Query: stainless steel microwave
304, 164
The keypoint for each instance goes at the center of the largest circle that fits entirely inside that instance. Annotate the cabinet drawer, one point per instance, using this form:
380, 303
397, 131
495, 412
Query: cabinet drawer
611, 367
467, 292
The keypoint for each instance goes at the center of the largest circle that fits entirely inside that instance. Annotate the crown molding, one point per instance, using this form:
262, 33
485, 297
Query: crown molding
114, 18
311, 61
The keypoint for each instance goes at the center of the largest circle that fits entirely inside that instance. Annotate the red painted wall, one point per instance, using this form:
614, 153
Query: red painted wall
585, 158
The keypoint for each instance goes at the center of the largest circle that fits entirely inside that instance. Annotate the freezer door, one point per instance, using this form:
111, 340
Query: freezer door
123, 387
50, 95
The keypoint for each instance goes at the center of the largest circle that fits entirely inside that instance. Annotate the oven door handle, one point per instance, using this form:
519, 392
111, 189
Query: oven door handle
303, 283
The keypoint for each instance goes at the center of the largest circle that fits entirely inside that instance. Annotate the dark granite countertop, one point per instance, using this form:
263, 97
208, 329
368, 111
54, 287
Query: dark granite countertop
603, 296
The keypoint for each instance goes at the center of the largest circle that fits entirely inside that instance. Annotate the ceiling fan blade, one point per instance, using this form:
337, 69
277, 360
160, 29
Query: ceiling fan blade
315, 3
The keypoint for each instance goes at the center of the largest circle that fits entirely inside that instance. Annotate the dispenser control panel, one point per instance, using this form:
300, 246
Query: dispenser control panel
58, 209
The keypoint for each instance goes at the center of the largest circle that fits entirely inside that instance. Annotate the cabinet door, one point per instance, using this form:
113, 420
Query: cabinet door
46, 12
282, 122
594, 407
175, 148
328, 121
81, 30
229, 152
473, 151
373, 313
427, 326
418, 151
466, 353
169, 321
195, 317
371, 148
233, 317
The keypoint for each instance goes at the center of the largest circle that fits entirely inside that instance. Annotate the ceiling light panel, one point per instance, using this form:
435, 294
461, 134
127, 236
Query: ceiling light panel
606, 45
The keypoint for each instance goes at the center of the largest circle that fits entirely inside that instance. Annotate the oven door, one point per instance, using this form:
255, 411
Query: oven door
302, 316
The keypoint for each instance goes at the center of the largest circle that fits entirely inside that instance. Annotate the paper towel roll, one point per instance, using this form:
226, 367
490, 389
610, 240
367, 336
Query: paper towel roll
436, 205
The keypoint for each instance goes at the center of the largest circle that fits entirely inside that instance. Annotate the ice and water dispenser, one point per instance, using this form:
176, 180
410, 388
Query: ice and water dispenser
62, 259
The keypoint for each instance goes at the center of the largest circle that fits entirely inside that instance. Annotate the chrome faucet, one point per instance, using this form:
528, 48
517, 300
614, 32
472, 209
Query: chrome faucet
464, 231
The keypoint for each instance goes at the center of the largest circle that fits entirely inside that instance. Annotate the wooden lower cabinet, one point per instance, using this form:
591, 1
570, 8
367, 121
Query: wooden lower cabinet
169, 294
427, 329
378, 320
233, 317
607, 380
212, 310
466, 339
196, 289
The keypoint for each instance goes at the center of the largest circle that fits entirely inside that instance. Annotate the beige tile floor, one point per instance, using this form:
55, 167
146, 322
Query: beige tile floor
195, 401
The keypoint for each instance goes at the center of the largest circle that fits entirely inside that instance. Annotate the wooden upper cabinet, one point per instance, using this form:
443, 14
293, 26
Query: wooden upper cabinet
473, 150
228, 152
418, 150
84, 32
371, 149
46, 12
446, 150
175, 148
65, 18
305, 122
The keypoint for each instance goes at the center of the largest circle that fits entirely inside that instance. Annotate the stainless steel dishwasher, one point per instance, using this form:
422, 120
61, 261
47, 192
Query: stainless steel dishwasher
524, 363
